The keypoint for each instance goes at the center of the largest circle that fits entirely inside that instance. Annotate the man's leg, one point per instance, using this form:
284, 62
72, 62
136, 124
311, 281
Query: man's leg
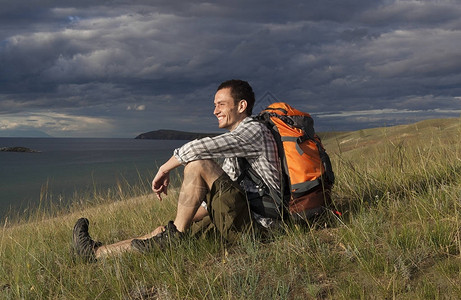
198, 178
226, 201
123, 246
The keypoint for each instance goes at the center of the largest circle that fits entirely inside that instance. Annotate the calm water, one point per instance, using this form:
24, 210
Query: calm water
69, 165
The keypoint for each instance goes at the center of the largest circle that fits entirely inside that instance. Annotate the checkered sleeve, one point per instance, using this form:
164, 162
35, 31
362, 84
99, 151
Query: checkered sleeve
251, 140
242, 142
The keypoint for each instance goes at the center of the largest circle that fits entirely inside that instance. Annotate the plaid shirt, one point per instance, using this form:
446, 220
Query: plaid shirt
251, 140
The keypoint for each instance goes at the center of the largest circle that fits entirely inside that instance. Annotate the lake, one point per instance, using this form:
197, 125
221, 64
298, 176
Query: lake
65, 166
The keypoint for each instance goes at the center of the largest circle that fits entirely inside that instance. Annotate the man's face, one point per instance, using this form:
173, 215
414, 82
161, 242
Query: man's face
228, 113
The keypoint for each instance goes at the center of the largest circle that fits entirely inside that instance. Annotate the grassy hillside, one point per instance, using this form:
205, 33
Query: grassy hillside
399, 191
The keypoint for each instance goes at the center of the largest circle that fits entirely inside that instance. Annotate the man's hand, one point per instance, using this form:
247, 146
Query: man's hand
160, 183
162, 179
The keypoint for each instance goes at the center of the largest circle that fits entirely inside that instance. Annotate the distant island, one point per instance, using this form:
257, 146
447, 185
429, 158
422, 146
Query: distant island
18, 149
165, 134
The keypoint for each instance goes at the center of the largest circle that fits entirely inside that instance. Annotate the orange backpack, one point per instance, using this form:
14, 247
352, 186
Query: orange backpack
307, 172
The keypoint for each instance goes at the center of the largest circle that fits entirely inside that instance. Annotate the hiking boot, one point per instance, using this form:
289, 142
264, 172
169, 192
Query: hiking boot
160, 241
82, 243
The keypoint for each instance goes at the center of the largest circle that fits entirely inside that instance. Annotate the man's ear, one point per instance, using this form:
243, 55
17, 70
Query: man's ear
242, 106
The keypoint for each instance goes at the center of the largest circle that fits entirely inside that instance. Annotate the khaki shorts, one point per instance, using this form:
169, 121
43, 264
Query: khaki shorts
228, 210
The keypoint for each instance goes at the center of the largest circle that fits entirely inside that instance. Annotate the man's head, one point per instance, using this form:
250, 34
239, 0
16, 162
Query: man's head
234, 101
240, 90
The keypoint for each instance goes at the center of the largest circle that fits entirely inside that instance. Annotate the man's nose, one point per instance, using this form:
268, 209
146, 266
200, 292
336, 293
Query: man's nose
216, 110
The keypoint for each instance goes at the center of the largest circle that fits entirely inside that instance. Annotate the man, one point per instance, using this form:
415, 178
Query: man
208, 190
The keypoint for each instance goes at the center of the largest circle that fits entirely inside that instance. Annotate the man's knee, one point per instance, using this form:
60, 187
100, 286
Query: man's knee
201, 164
208, 169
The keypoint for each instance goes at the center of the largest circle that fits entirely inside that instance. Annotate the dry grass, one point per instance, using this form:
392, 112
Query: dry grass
399, 190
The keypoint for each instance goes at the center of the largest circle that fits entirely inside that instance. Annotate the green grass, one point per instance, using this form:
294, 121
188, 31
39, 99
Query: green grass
398, 188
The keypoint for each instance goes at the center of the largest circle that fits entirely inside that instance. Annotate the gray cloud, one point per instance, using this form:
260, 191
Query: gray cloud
141, 65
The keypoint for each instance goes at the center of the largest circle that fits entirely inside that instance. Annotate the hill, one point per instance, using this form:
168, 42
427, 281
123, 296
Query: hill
430, 131
399, 236
164, 134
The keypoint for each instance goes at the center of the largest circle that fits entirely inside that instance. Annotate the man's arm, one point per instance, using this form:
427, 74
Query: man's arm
162, 179
245, 141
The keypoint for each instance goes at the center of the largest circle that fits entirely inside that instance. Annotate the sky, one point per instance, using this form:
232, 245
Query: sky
77, 68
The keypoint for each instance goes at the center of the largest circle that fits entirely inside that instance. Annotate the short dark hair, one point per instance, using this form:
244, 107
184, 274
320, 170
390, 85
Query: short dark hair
240, 90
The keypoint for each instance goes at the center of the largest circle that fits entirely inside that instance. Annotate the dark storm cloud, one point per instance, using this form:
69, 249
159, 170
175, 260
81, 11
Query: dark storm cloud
128, 67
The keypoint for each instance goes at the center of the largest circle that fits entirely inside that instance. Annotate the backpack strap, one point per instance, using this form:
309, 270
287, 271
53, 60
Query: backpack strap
247, 171
270, 199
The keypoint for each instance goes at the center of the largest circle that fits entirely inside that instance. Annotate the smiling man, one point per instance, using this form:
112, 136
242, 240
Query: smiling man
211, 195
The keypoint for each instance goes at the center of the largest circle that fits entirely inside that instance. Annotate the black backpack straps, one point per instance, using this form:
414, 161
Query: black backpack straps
263, 189
330, 175
243, 166
247, 171
284, 195
267, 202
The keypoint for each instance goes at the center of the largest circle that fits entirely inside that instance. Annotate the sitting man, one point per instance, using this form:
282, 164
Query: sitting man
208, 190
